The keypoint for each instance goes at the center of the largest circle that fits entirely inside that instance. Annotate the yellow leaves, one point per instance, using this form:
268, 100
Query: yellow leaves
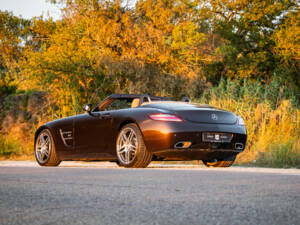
85, 84
288, 38
187, 35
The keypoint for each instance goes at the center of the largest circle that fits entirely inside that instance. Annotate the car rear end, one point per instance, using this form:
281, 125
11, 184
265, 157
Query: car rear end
183, 131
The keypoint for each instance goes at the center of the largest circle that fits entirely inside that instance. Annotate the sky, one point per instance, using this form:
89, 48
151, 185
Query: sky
30, 8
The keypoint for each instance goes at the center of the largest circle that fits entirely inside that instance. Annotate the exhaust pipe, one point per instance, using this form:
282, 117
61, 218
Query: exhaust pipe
239, 146
183, 144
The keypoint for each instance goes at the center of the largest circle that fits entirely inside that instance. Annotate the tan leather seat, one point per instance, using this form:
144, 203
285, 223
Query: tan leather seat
135, 103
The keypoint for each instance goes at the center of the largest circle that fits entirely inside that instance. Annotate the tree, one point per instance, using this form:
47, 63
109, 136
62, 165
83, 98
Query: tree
247, 28
13, 36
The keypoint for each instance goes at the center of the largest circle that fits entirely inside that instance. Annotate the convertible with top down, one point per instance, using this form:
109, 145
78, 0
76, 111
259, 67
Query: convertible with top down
133, 130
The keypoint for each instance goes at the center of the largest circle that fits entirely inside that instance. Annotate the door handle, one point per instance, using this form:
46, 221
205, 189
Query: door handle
106, 115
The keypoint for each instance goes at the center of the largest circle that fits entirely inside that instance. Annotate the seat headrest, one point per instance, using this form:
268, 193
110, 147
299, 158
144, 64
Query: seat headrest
135, 103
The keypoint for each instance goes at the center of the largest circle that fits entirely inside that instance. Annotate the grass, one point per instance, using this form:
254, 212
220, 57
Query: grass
281, 155
10, 148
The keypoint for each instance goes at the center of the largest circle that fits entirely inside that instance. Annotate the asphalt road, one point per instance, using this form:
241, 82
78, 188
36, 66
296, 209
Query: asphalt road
104, 194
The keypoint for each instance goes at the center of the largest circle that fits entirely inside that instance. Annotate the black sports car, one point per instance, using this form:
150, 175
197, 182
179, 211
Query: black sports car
133, 130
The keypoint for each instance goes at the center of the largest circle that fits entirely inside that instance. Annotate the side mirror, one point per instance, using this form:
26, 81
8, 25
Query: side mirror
87, 108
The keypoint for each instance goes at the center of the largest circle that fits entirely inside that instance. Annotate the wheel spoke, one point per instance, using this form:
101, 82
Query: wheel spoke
131, 134
121, 151
42, 155
39, 155
124, 138
46, 153
127, 156
132, 149
43, 139
40, 142
46, 141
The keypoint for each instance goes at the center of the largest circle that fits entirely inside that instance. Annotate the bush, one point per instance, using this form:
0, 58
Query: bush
281, 154
272, 93
9, 147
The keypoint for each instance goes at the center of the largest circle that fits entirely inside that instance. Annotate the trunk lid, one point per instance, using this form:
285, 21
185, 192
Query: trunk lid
213, 116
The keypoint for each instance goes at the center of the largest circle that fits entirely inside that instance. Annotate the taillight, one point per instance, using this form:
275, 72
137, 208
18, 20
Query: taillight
165, 117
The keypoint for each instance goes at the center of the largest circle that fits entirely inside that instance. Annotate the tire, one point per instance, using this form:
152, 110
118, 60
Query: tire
130, 148
44, 149
118, 163
220, 163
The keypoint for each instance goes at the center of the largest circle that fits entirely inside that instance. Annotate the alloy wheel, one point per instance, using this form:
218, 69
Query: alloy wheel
127, 145
43, 147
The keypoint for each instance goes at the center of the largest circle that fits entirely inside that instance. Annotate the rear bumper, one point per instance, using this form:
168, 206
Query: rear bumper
161, 137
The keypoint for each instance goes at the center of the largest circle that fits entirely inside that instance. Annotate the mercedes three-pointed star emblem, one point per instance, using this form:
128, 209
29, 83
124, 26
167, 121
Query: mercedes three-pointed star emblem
214, 117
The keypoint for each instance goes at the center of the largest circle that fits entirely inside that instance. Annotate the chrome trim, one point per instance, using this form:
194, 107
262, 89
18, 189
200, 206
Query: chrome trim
181, 144
64, 139
239, 146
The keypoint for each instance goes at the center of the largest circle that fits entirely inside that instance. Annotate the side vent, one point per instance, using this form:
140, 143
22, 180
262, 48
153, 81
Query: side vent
67, 137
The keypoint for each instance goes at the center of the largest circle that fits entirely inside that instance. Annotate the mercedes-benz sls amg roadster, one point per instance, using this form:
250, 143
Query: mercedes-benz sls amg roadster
132, 130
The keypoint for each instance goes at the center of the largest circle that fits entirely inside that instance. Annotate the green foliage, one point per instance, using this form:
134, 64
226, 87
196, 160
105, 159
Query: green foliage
272, 93
252, 35
281, 155
7, 89
9, 147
